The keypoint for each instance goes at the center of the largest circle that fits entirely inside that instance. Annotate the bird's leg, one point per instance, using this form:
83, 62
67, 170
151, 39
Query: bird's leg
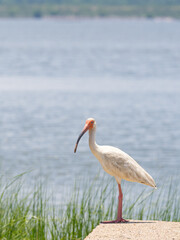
119, 212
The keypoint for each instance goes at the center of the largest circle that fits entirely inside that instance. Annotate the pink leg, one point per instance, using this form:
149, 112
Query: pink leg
119, 212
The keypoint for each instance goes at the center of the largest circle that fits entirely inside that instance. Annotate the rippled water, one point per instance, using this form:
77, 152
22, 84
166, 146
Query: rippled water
56, 73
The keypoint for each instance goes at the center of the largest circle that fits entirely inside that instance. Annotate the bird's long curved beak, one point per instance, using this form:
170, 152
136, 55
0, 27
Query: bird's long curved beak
86, 127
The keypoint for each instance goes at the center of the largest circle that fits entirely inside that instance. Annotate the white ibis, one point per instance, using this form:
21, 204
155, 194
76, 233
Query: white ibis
117, 163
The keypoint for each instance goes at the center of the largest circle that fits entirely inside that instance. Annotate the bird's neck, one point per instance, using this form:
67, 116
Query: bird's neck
92, 140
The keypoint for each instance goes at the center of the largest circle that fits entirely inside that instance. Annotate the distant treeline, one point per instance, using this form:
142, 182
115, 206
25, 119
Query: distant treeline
95, 2
90, 8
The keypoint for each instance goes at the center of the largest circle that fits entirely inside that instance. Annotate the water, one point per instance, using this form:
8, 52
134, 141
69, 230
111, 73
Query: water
55, 73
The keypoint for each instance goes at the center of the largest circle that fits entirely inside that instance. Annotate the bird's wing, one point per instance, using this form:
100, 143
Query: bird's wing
121, 165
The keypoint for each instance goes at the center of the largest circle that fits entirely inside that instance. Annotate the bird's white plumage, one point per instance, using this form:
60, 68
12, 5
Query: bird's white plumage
118, 163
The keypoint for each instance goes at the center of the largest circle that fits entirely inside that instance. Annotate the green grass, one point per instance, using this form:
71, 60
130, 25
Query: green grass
33, 215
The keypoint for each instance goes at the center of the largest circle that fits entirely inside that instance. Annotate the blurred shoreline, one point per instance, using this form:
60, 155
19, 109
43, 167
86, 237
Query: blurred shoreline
55, 10
164, 19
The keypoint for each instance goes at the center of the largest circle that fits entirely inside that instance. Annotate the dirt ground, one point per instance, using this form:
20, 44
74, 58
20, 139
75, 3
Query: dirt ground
137, 230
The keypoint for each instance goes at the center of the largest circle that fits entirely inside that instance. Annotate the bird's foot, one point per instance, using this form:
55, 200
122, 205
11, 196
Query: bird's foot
122, 220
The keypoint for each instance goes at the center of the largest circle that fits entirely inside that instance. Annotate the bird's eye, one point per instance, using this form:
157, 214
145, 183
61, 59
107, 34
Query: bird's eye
92, 122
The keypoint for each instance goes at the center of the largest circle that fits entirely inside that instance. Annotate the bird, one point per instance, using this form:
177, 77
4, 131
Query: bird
116, 163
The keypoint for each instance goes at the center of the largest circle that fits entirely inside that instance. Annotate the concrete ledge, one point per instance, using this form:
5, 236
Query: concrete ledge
137, 230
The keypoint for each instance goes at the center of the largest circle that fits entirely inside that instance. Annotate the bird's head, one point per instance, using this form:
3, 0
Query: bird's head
90, 124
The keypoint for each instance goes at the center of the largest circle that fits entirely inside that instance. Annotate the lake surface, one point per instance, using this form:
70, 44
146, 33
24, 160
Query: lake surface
56, 73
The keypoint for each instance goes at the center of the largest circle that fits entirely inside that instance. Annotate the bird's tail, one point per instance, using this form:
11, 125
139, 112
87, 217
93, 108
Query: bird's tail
151, 182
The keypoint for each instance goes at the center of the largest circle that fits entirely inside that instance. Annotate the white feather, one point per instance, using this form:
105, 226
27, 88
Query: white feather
118, 163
